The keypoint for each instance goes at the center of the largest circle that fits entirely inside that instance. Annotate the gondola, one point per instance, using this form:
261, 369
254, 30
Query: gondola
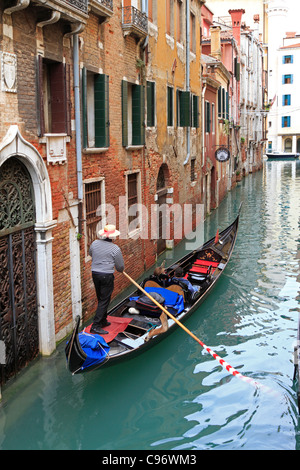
130, 334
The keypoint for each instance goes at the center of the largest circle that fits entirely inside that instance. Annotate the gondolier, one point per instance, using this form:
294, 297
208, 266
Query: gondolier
106, 257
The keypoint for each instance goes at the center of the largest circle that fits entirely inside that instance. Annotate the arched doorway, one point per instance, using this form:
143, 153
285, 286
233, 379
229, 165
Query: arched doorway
288, 145
18, 292
161, 192
29, 224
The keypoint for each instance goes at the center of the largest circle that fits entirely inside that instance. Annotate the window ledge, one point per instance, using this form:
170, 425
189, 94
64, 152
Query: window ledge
95, 150
134, 147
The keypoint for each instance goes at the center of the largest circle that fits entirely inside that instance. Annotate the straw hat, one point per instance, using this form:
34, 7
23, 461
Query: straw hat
109, 231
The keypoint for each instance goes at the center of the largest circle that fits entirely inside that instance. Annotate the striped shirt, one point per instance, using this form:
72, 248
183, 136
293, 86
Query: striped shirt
106, 256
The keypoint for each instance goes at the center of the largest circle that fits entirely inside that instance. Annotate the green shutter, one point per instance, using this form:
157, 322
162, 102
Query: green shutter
124, 113
84, 107
237, 69
223, 104
207, 117
185, 108
220, 102
170, 106
195, 117
101, 99
142, 124
227, 105
150, 104
138, 112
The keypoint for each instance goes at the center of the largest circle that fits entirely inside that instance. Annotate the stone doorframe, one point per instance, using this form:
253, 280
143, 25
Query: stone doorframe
14, 145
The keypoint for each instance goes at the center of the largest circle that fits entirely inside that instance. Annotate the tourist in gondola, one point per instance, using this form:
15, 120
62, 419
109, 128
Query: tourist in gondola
179, 276
106, 257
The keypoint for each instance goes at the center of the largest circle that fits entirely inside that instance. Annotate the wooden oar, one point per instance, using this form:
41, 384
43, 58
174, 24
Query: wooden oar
223, 363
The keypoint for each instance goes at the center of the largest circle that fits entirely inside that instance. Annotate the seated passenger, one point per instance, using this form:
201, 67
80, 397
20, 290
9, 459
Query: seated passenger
159, 275
178, 274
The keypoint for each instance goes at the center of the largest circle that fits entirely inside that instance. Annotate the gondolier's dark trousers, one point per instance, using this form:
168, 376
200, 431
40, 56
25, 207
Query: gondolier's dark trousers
104, 286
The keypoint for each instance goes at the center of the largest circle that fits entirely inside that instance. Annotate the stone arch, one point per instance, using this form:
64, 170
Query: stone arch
15, 146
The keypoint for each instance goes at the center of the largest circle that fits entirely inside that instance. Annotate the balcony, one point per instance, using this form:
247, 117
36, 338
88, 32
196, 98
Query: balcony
134, 22
103, 8
74, 12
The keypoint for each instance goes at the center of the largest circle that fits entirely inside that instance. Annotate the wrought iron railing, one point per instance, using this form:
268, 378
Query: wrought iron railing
106, 3
132, 17
81, 5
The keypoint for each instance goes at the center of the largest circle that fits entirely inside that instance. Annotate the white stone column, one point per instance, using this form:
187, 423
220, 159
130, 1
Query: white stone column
45, 287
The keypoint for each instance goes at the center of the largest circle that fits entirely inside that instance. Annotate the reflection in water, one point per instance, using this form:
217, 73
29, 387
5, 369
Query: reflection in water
177, 396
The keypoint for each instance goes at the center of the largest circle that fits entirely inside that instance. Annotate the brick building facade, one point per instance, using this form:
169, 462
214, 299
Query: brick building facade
95, 120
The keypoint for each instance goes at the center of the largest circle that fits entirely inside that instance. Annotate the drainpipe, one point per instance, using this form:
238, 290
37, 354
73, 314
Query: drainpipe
188, 129
203, 124
20, 6
78, 127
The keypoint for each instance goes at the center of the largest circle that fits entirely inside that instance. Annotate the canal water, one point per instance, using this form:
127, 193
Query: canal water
176, 396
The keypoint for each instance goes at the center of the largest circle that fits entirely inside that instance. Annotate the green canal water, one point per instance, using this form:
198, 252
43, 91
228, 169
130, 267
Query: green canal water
176, 396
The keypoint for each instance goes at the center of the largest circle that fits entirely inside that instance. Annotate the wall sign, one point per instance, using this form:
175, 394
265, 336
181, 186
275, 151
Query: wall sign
222, 154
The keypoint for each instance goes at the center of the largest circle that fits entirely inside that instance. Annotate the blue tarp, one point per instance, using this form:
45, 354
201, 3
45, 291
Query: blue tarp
95, 348
172, 299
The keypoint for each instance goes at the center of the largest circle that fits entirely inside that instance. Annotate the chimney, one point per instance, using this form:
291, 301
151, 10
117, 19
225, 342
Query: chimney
236, 18
215, 33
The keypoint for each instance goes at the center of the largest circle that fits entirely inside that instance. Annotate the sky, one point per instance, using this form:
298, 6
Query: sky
294, 15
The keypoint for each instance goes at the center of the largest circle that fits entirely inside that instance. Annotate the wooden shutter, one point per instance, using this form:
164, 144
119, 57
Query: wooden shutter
150, 104
170, 106
58, 98
227, 105
223, 104
138, 112
68, 98
195, 117
84, 107
40, 97
185, 108
124, 113
207, 117
101, 99
220, 102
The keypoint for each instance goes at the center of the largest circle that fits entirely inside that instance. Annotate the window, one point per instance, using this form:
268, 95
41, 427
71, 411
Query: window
152, 11
133, 191
207, 117
192, 33
93, 209
195, 111
179, 14
286, 121
288, 59
150, 104
223, 103
183, 108
95, 106
286, 100
170, 17
237, 69
287, 79
133, 114
170, 106
54, 103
